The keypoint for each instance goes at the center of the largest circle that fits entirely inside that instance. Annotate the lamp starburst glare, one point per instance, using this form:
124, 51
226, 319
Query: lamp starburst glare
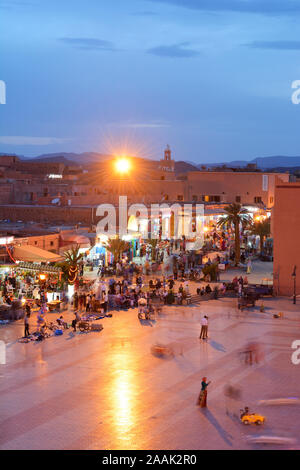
122, 165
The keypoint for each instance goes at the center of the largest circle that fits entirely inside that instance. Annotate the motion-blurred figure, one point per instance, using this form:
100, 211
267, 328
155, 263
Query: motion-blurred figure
253, 352
233, 396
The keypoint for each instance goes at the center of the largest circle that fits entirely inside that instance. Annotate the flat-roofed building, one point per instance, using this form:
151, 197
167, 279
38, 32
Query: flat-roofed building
286, 229
232, 187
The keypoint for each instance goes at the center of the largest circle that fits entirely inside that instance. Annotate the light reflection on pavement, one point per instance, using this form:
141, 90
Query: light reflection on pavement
107, 391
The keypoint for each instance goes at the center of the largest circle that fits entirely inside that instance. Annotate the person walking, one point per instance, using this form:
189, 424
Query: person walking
202, 398
204, 327
105, 302
76, 320
26, 321
249, 266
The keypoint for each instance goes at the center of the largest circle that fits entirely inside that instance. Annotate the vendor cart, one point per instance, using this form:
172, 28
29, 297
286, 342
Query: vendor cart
246, 301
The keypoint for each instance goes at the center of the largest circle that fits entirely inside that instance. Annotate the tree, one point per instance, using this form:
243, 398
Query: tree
262, 229
235, 215
72, 258
117, 247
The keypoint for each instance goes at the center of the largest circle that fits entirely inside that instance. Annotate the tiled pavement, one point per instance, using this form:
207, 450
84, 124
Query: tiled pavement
107, 391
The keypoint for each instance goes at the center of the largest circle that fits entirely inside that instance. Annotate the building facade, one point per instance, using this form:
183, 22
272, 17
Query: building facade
286, 227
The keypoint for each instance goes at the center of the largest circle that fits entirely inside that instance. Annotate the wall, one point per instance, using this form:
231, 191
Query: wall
49, 242
228, 185
46, 214
286, 229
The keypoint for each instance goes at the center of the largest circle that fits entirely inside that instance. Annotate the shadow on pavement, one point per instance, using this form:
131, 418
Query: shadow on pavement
211, 418
217, 346
146, 322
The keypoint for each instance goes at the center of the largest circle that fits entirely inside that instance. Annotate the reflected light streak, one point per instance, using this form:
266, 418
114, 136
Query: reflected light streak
124, 391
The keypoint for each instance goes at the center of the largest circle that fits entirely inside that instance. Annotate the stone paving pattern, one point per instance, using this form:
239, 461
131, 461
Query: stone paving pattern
107, 391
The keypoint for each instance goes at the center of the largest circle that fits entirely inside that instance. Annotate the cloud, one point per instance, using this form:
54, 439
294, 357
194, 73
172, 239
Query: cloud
89, 44
24, 140
264, 7
175, 50
279, 45
144, 125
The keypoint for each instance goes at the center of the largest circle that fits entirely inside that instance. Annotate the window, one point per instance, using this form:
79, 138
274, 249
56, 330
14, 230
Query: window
194, 197
257, 199
179, 197
237, 198
51, 243
271, 200
166, 197
207, 198
35, 242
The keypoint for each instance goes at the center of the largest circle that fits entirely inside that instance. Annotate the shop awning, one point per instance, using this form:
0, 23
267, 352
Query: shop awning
33, 253
74, 238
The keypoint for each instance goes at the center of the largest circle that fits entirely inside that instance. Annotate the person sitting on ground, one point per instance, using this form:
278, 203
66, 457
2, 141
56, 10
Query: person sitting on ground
179, 298
60, 321
222, 288
208, 289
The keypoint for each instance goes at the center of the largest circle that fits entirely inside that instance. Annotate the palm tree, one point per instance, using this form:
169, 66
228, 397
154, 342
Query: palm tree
235, 215
116, 246
72, 258
262, 229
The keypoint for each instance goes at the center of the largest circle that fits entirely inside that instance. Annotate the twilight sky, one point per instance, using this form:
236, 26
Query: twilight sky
212, 78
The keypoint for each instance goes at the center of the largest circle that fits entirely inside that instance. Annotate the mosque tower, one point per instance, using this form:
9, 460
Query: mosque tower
167, 165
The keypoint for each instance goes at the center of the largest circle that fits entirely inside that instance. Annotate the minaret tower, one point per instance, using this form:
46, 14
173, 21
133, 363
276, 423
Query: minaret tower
168, 154
167, 165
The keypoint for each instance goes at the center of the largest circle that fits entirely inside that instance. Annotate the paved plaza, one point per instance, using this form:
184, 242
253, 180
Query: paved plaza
105, 390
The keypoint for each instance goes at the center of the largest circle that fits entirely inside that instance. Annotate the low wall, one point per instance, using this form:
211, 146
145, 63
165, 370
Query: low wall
45, 214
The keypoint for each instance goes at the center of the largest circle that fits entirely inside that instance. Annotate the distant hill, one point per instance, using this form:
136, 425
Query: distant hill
79, 158
183, 167
92, 158
56, 159
263, 163
278, 161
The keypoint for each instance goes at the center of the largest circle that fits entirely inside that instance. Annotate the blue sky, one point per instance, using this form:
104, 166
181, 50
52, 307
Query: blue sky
212, 78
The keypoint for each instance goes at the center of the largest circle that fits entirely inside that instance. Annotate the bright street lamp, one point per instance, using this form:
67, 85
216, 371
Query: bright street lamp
122, 165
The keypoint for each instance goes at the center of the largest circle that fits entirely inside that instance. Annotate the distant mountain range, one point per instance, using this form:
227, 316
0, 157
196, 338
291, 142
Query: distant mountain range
71, 158
262, 163
90, 158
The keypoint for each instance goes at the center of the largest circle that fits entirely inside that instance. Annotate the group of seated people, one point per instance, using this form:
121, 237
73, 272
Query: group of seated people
208, 290
128, 299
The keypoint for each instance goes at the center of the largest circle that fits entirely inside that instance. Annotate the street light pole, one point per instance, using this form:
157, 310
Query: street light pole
294, 276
